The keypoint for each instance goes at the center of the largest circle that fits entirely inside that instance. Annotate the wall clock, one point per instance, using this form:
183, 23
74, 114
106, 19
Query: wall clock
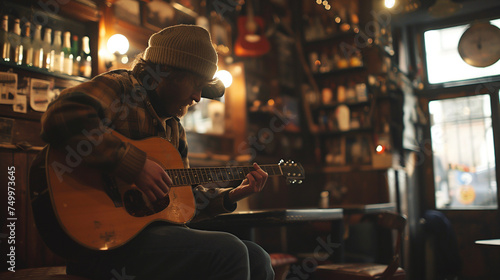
479, 46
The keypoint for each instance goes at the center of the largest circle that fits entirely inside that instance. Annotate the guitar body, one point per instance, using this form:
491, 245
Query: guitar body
79, 210
251, 44
88, 215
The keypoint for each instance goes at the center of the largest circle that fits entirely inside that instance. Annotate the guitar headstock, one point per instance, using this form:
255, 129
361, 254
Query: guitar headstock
293, 171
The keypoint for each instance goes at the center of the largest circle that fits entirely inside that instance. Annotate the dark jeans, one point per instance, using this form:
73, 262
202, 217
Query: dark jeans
176, 252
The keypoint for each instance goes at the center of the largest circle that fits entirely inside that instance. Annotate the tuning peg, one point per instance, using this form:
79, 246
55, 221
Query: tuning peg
299, 182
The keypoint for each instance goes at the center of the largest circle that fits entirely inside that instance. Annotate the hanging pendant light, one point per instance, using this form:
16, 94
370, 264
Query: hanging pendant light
444, 8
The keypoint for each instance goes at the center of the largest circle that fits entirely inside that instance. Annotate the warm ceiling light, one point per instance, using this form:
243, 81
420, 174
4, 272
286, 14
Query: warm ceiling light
118, 44
390, 3
225, 77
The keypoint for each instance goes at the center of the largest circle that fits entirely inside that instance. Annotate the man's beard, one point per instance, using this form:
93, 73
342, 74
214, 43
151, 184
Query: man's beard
183, 110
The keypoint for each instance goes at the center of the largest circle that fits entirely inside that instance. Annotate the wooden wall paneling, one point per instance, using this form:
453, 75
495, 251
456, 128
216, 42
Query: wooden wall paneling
5, 162
361, 187
30, 249
27, 132
21, 165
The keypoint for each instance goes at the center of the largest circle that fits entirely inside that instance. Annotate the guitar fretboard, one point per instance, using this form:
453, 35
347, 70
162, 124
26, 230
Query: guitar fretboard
194, 176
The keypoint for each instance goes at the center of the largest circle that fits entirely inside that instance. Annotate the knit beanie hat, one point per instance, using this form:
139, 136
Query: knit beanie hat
187, 47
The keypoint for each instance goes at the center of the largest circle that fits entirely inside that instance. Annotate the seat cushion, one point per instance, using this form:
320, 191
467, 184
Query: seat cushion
278, 259
355, 271
40, 273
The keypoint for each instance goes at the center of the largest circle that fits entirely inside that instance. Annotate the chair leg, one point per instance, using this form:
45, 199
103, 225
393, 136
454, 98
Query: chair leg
281, 272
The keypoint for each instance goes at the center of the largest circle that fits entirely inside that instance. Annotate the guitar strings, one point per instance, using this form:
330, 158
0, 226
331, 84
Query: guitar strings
192, 176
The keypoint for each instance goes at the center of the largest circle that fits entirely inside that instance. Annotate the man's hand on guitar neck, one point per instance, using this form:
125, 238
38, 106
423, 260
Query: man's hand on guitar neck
153, 181
254, 183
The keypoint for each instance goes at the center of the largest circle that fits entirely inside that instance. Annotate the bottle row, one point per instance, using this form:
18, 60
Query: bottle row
343, 119
348, 92
352, 151
58, 52
342, 57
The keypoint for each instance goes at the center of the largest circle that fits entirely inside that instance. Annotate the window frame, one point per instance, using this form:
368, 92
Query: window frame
452, 22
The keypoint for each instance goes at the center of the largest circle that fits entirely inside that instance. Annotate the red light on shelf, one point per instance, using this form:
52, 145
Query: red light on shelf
380, 149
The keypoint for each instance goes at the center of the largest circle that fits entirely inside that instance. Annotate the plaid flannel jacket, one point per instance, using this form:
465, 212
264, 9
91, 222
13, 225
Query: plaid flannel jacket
117, 100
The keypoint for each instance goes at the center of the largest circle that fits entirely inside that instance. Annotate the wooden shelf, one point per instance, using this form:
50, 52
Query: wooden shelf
347, 132
349, 168
39, 72
344, 71
331, 38
335, 105
7, 112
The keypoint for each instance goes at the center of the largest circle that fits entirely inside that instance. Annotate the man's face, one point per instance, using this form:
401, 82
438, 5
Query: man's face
177, 95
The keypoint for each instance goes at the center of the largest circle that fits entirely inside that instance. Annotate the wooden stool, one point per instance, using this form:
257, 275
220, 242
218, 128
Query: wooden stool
40, 273
358, 271
370, 271
281, 264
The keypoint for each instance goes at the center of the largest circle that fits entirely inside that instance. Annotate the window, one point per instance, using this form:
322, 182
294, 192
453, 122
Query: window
206, 117
463, 152
444, 63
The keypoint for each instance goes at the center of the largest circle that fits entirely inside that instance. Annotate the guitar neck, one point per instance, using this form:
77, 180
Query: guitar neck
195, 176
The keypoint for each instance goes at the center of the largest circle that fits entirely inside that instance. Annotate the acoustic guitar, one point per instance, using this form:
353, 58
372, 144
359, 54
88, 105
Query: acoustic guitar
102, 212
251, 41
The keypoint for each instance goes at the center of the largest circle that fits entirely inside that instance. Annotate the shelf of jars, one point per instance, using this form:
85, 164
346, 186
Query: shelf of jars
38, 61
337, 104
51, 45
39, 72
338, 72
341, 169
330, 38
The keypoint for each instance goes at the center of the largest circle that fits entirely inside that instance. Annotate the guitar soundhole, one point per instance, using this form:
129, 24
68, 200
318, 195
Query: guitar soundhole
136, 206
161, 204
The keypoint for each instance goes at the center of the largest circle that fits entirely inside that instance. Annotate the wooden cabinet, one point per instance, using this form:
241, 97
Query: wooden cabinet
352, 108
18, 154
21, 139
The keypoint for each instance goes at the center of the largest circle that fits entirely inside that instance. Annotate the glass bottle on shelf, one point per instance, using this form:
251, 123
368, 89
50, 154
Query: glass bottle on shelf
319, 30
342, 60
341, 93
16, 53
46, 45
76, 57
68, 56
4, 37
345, 26
326, 65
314, 62
354, 18
56, 53
38, 57
27, 45
309, 31
86, 62
350, 92
356, 59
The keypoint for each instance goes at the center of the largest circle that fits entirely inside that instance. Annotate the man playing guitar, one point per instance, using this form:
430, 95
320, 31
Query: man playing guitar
87, 129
